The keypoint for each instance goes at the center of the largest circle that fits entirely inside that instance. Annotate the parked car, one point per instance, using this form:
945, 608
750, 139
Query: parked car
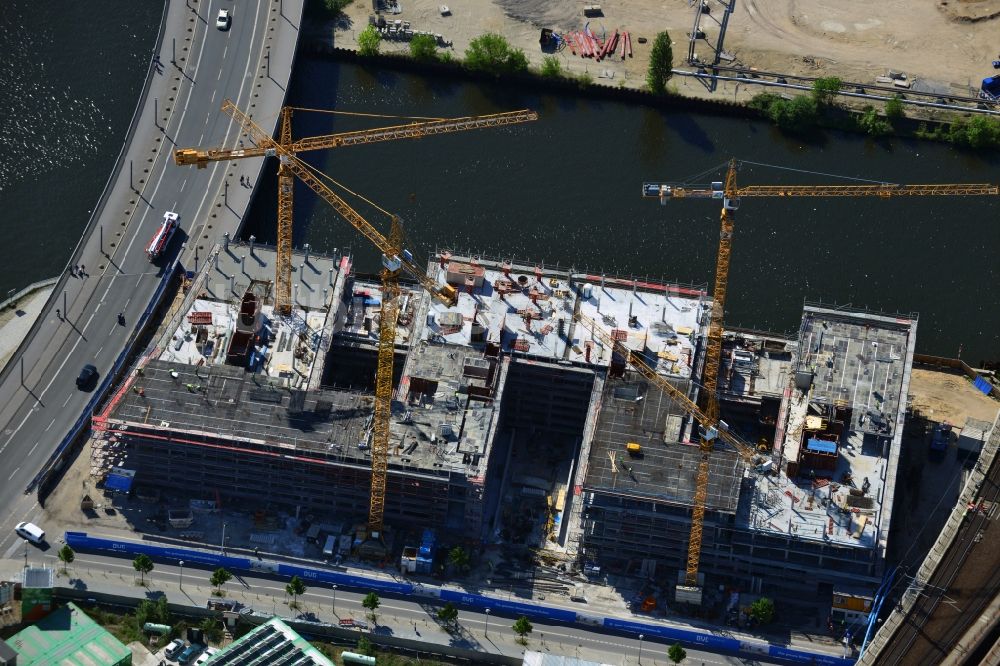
190, 653
175, 648
31, 532
206, 655
222, 20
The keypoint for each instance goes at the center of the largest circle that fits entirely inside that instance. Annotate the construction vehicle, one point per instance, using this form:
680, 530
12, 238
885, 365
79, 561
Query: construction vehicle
201, 157
730, 195
395, 259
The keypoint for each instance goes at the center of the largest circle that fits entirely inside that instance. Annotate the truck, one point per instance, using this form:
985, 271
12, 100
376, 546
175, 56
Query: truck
941, 437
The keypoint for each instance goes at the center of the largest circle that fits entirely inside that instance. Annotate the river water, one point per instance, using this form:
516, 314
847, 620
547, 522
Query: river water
565, 189
69, 82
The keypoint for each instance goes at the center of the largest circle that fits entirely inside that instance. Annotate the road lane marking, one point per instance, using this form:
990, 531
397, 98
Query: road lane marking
13, 473
99, 352
50, 424
32, 449
185, 182
68, 398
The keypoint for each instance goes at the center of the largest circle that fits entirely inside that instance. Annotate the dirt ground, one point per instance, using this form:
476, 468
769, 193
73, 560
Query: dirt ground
949, 396
948, 42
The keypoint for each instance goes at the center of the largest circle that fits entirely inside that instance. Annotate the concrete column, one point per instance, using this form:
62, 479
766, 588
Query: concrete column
252, 239
225, 241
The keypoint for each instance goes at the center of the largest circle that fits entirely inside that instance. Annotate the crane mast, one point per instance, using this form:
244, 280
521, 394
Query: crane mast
395, 260
730, 195
286, 178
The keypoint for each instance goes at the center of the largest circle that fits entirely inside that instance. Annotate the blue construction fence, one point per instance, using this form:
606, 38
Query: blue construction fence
82, 542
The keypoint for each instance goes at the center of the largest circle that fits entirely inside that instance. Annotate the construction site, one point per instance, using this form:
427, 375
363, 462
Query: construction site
609, 423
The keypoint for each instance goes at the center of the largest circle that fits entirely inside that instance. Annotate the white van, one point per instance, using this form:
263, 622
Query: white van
31, 532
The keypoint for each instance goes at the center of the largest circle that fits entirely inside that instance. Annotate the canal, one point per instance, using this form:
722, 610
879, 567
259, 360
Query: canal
564, 190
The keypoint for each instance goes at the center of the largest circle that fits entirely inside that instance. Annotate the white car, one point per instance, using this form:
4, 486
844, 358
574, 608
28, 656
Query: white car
206, 655
174, 649
222, 20
31, 532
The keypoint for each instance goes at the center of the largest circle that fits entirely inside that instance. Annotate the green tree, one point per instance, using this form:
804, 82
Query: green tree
825, 88
458, 558
661, 64
295, 587
796, 115
676, 653
66, 556
551, 67
365, 647
982, 132
872, 123
762, 610
371, 603
152, 611
522, 627
212, 628
219, 578
143, 565
368, 41
491, 53
448, 613
424, 47
894, 108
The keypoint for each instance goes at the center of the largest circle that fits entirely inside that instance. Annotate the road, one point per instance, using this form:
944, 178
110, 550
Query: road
399, 617
249, 63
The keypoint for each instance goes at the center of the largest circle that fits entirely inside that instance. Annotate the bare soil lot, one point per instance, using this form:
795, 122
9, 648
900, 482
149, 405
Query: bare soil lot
949, 42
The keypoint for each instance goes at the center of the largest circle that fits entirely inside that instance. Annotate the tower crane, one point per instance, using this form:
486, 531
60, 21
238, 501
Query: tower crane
730, 195
283, 265
395, 260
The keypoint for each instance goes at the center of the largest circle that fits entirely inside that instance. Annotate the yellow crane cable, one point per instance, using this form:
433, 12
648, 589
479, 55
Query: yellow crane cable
319, 174
362, 114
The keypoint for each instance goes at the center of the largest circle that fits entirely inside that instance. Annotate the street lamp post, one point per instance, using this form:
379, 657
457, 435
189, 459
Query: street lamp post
640, 647
486, 631
334, 606
180, 584
223, 538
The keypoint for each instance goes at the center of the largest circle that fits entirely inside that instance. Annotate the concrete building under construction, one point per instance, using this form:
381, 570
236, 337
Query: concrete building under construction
513, 422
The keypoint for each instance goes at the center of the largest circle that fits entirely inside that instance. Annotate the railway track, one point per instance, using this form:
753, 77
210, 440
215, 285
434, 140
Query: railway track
948, 98
965, 582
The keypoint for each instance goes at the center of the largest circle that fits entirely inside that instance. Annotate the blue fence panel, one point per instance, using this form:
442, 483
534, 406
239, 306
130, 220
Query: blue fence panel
528, 610
336, 578
804, 657
673, 634
80, 541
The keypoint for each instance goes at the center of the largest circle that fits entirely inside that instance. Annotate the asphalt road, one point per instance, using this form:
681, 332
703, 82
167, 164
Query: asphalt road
39, 401
413, 620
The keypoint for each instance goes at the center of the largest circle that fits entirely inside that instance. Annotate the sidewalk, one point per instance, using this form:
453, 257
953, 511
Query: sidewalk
17, 321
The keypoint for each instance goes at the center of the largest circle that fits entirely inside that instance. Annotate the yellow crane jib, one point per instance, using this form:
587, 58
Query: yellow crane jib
265, 146
395, 258
730, 196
